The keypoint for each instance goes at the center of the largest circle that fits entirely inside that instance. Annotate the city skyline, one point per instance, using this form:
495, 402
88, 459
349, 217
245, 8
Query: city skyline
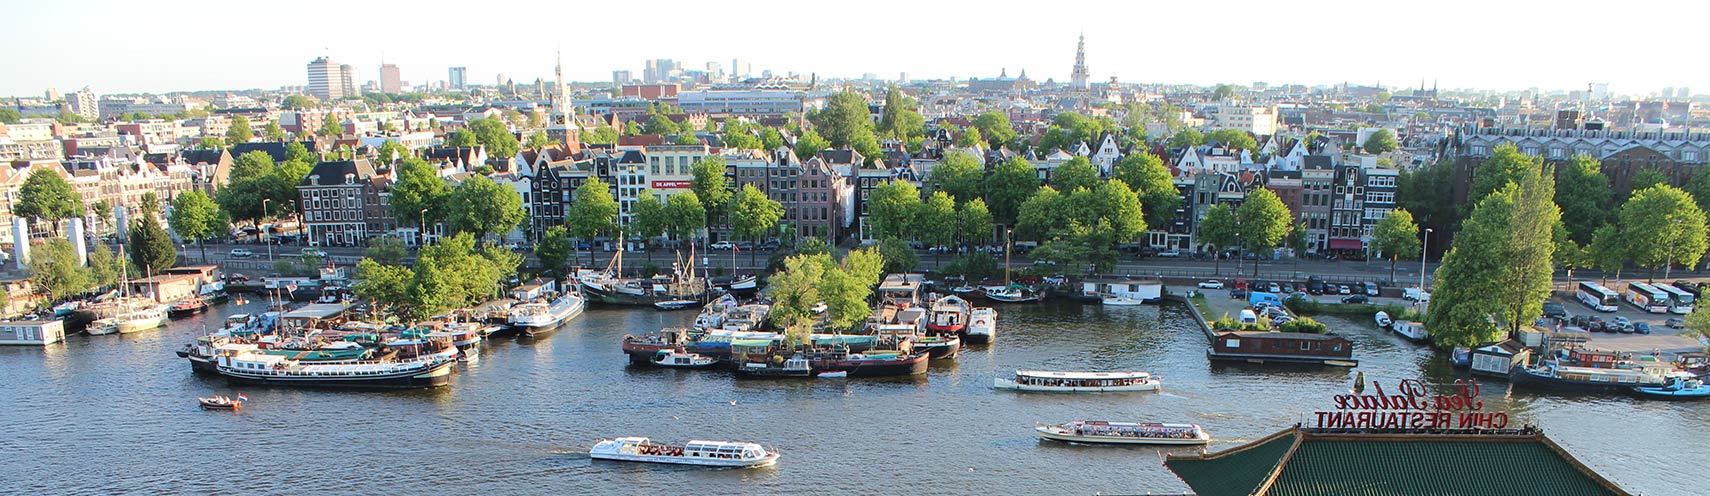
1332, 44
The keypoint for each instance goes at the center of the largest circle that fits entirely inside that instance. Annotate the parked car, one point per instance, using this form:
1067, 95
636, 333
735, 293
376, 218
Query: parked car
1356, 299
1622, 324
1238, 293
1147, 251
1344, 289
1170, 253
1676, 323
1415, 294
1371, 289
1314, 285
723, 245
242, 253
314, 252
744, 245
236, 277
1300, 288
1553, 309
1211, 284
1642, 327
773, 245
1273, 288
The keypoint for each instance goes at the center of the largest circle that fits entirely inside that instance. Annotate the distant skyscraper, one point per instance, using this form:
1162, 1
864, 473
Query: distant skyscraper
458, 78
622, 77
348, 75
1078, 79
84, 103
739, 69
51, 95
715, 71
326, 79
389, 80
1684, 92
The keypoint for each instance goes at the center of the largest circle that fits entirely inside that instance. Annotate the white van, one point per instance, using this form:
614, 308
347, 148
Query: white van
1248, 317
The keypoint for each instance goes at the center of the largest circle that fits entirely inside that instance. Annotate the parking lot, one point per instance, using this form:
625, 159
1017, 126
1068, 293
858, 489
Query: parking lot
1661, 338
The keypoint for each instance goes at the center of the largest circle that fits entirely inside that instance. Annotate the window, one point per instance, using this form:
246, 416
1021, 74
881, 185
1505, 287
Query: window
1232, 343
1689, 155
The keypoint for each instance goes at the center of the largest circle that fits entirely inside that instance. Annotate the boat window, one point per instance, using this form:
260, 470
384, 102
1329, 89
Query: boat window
1305, 345
1232, 343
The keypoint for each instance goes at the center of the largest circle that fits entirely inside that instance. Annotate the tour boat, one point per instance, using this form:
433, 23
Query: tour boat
1680, 386
703, 453
1092, 431
1014, 293
675, 304
1554, 374
187, 307
102, 326
795, 366
538, 317
138, 319
1383, 320
1411, 331
221, 402
1122, 301
948, 314
982, 325
245, 366
1078, 382
679, 359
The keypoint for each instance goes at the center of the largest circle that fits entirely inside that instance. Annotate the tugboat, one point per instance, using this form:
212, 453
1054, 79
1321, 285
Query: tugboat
949, 314
539, 317
704, 453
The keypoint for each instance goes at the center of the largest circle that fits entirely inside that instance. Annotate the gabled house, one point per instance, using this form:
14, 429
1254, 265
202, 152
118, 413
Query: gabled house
344, 202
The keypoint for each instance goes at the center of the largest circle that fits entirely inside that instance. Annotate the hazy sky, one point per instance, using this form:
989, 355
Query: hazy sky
128, 46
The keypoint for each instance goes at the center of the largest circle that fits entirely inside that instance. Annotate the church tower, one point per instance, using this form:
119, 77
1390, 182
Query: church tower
1078, 79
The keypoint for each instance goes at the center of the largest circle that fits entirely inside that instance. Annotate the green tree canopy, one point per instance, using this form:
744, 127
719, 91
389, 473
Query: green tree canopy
974, 222
1582, 192
752, 214
484, 207
845, 120
1077, 173
1396, 237
103, 266
554, 248
1645, 179
53, 267
1146, 174
239, 132
593, 212
710, 184
387, 250
461, 137
1380, 142
1235, 139
495, 137
385, 285
1187, 138
900, 118
959, 175
1219, 229
1010, 184
330, 127
970, 138
809, 144
46, 195
892, 208
1263, 221
298, 102
601, 135
1505, 165
995, 127
935, 220
1500, 266
418, 186
660, 125
647, 216
428, 293
197, 217
273, 132
10, 116
1663, 226
538, 140
150, 248
684, 214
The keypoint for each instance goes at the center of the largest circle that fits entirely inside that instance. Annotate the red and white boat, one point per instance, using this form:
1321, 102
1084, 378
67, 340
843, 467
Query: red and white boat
948, 314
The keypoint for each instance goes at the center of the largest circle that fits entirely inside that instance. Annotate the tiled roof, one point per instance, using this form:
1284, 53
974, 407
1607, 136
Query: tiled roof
1298, 462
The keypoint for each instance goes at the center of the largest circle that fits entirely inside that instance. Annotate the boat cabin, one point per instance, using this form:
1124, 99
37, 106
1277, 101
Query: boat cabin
1080, 379
900, 288
537, 288
31, 332
1499, 359
1593, 358
165, 288
1143, 290
1261, 346
312, 315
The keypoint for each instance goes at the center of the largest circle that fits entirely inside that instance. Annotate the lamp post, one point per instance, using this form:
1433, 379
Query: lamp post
1006, 242
1423, 250
264, 202
423, 230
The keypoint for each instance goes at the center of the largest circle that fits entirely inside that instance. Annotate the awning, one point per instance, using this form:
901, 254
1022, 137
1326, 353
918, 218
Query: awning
1346, 244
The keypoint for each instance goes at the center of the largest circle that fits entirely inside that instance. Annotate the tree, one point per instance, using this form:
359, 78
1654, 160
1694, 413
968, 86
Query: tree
900, 119
103, 213
847, 286
959, 175
149, 247
538, 140
390, 152
660, 125
1235, 139
296, 152
647, 218
418, 186
710, 184
1040, 215
1698, 327
1422, 191
602, 135
53, 267
10, 116
1500, 266
103, 266
1146, 175
809, 144
630, 128
196, 217
330, 127
974, 222
149, 204
892, 209
1397, 237
239, 132
482, 206
554, 248
461, 138
386, 250
1010, 184
1646, 178
970, 138
1699, 187
46, 196
273, 132
1077, 173
741, 141
845, 120
298, 102
427, 294
1263, 221
1582, 192
495, 137
771, 140
210, 143
1380, 142
752, 214
593, 212
1187, 138
684, 214
795, 291
1607, 251
995, 127
1663, 226
1504, 166
935, 220
386, 285
898, 256
1223, 92
1218, 228
687, 138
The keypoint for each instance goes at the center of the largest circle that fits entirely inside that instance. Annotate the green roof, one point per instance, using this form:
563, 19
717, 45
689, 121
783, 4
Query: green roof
1517, 464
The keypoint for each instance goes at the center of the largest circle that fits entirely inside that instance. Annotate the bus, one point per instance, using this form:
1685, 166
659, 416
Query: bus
1681, 301
1597, 297
1647, 297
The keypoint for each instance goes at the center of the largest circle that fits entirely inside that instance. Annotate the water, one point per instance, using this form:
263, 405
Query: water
117, 414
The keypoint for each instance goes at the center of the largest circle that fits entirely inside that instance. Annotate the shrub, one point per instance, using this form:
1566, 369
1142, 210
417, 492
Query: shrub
1305, 325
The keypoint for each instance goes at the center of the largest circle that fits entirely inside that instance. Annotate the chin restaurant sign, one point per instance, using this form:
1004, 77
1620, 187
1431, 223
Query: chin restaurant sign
1409, 406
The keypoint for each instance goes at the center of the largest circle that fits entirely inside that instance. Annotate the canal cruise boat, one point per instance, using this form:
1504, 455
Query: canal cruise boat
1077, 382
1281, 347
1102, 432
703, 453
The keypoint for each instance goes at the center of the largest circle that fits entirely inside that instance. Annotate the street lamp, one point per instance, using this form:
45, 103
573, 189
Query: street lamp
1422, 254
423, 231
264, 202
1006, 242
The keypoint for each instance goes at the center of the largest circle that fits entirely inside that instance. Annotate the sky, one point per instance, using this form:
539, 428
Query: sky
1637, 47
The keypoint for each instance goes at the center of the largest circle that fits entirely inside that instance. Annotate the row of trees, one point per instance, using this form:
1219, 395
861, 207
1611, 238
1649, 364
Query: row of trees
453, 273
807, 280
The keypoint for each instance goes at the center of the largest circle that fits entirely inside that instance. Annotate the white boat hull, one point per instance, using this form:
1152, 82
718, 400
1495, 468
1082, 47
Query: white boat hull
1053, 433
769, 459
1123, 301
139, 325
1002, 383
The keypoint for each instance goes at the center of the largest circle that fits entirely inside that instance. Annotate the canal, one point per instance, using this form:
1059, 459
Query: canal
117, 414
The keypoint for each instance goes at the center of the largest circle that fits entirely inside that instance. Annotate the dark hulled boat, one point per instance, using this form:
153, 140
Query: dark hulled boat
871, 364
187, 307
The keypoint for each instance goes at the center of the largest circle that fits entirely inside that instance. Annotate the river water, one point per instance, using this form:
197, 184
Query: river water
117, 414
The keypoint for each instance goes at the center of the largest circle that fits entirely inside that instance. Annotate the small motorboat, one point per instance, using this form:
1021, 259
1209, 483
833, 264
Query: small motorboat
1680, 386
679, 359
1122, 301
675, 304
982, 327
1014, 293
222, 402
964, 289
1382, 319
187, 307
103, 326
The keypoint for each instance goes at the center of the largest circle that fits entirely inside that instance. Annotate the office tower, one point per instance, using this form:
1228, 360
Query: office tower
457, 78
389, 80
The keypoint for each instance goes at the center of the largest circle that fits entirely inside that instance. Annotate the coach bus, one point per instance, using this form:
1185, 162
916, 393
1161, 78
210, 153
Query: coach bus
1597, 297
1680, 300
1647, 297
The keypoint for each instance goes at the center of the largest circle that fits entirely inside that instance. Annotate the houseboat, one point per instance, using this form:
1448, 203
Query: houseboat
1498, 359
1101, 432
1077, 382
949, 315
1409, 330
1281, 347
678, 359
31, 332
240, 365
775, 367
982, 325
703, 453
887, 363
1586, 370
1121, 291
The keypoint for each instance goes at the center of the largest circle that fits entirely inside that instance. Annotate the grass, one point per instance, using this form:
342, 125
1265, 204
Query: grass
1395, 311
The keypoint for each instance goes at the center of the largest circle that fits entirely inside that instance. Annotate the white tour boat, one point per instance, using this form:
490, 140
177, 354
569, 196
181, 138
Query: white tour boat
982, 325
704, 453
1078, 382
1093, 431
542, 314
138, 319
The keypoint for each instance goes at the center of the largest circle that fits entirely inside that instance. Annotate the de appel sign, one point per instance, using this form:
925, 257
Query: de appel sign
1412, 407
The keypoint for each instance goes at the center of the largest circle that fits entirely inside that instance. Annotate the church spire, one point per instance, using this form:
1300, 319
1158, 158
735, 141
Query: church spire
1078, 79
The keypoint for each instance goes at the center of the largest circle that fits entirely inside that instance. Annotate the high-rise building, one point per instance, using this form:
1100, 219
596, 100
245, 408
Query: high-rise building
738, 69
84, 103
349, 75
1079, 78
458, 78
326, 80
52, 94
389, 80
715, 71
622, 77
